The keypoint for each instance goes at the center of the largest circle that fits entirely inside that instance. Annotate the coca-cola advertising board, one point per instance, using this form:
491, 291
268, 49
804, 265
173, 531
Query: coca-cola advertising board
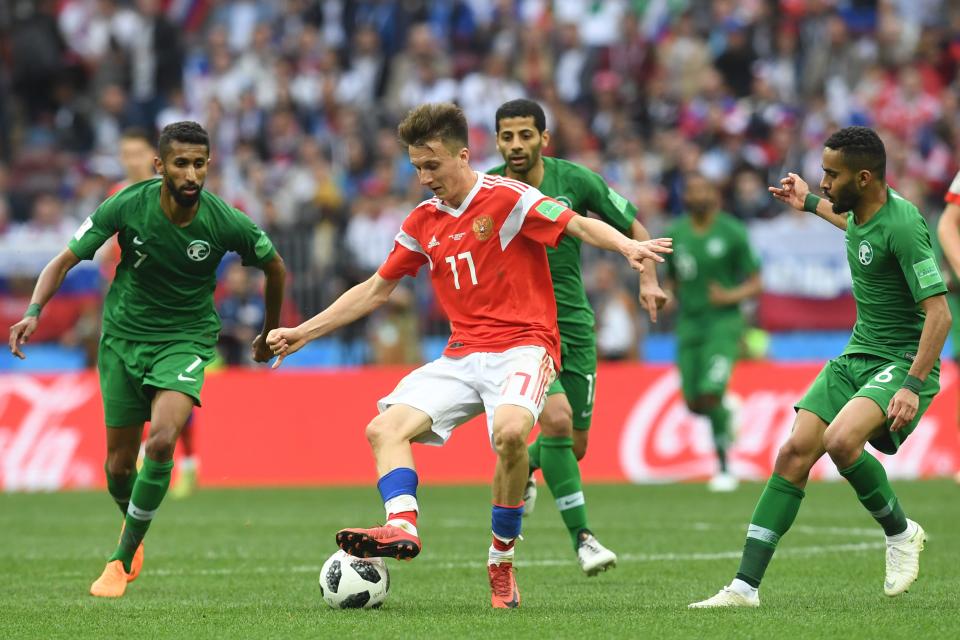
281, 428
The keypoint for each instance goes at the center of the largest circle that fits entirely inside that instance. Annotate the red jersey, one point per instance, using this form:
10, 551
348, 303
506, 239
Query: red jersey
488, 264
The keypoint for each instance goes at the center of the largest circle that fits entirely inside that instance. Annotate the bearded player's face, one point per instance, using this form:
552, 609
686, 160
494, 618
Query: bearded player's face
839, 182
520, 144
184, 171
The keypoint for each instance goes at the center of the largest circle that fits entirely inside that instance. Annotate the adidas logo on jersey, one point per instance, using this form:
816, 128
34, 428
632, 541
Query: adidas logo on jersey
433, 243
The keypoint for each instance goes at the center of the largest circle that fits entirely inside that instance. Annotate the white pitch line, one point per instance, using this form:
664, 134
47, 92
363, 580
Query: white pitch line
440, 563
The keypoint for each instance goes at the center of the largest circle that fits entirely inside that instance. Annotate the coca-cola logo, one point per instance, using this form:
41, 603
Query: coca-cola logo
662, 441
38, 440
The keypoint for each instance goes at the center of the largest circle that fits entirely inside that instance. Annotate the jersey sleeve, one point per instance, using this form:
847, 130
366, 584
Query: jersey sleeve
601, 199
910, 243
543, 218
96, 229
953, 193
406, 257
250, 241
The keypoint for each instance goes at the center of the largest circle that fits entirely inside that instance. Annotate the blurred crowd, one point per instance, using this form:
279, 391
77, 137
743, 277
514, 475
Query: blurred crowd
302, 97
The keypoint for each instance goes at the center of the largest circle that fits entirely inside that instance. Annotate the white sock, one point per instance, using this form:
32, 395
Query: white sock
497, 557
905, 534
741, 587
188, 463
400, 504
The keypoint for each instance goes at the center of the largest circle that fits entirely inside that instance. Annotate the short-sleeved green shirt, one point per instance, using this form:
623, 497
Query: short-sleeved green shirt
163, 288
584, 191
720, 254
893, 268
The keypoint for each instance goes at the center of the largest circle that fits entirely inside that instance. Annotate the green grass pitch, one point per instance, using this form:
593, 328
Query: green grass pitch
244, 563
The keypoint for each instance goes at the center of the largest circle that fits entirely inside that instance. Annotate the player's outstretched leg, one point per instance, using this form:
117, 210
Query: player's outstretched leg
905, 538
506, 521
773, 516
398, 538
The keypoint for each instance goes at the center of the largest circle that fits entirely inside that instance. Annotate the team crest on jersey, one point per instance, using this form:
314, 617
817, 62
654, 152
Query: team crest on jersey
198, 250
483, 228
865, 253
715, 247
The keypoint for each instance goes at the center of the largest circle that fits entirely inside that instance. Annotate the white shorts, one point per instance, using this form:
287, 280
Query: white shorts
453, 390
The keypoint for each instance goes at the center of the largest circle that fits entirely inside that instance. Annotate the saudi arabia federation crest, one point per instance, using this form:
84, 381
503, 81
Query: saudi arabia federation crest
865, 253
198, 250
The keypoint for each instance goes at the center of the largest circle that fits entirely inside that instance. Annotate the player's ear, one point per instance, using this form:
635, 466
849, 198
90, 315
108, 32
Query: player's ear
545, 137
465, 155
158, 165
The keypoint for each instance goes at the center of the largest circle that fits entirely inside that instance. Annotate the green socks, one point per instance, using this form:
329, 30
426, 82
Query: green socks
772, 517
869, 480
148, 491
562, 474
533, 451
120, 489
720, 425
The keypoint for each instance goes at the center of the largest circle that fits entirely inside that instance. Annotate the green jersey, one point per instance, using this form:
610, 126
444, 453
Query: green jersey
893, 267
720, 254
582, 190
163, 288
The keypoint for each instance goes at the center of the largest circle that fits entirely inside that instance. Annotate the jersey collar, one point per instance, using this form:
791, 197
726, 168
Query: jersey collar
456, 213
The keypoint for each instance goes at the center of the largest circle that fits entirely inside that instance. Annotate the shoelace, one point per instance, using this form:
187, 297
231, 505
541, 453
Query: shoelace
500, 580
895, 557
591, 545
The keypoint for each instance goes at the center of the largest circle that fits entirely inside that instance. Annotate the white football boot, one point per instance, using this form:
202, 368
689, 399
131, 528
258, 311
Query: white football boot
723, 483
903, 561
594, 557
727, 597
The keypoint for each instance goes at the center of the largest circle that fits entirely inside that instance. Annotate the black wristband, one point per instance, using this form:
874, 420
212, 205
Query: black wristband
913, 383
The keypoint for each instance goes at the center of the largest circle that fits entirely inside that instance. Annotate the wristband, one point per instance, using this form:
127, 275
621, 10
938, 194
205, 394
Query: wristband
913, 383
33, 311
810, 203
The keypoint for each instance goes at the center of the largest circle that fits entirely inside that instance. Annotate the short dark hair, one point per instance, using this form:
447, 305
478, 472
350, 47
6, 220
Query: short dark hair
186, 132
522, 108
137, 133
442, 121
861, 148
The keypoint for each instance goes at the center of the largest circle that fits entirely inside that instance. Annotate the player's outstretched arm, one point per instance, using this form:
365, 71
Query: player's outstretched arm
936, 325
354, 304
602, 235
276, 274
793, 192
47, 284
652, 295
948, 231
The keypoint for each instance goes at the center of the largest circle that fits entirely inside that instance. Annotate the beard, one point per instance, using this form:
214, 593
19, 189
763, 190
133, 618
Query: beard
183, 199
845, 200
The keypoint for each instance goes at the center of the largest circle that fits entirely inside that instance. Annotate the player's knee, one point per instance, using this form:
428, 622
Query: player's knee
509, 439
841, 447
557, 422
120, 464
379, 431
161, 443
794, 460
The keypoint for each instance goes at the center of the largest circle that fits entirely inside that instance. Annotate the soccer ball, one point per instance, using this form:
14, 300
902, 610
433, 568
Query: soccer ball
348, 582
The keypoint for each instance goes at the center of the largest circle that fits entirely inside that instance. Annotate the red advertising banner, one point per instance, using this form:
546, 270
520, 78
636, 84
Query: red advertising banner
260, 427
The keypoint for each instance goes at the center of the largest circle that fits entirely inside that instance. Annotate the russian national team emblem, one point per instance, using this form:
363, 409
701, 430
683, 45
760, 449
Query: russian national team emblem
865, 253
483, 228
198, 250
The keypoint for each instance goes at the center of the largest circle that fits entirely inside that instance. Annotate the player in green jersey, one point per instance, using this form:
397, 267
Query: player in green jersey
159, 322
878, 389
712, 271
565, 420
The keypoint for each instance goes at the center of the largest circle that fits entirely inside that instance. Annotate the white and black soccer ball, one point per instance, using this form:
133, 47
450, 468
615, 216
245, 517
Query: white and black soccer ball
348, 582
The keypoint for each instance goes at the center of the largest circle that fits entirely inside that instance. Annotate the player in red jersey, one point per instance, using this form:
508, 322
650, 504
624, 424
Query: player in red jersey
948, 232
483, 239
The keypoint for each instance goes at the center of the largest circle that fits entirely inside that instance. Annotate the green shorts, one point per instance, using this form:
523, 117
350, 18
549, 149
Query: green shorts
866, 376
578, 379
131, 372
706, 360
